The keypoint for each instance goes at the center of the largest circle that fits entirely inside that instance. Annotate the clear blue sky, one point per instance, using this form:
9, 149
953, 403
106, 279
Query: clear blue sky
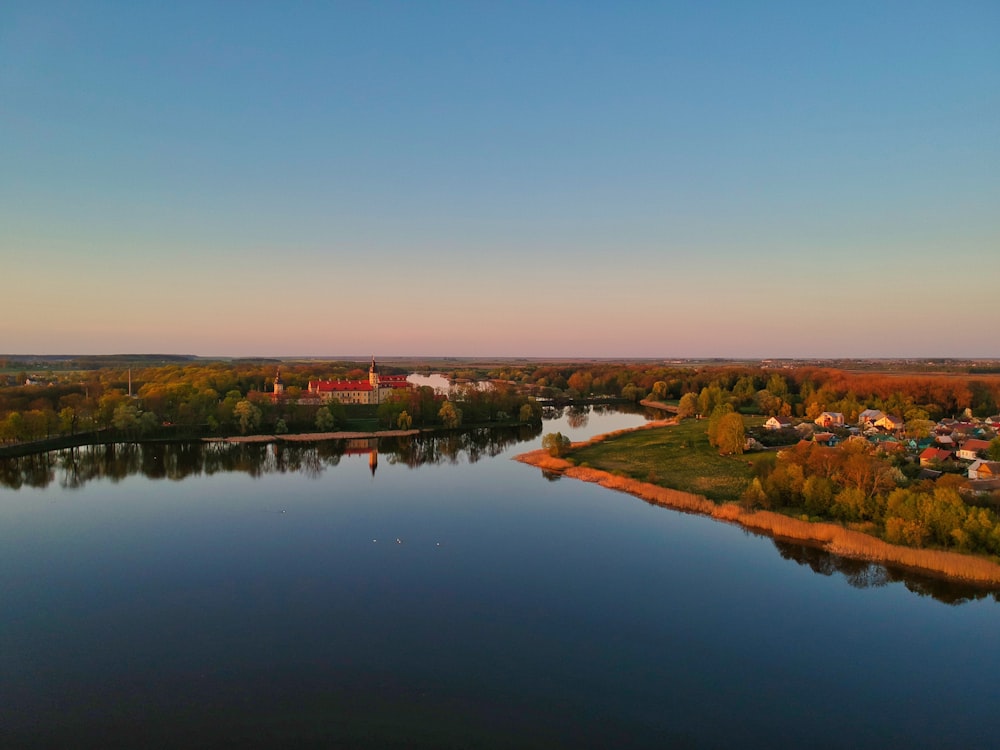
539, 179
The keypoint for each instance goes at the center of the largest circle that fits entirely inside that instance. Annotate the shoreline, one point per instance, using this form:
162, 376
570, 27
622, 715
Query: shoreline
309, 437
829, 537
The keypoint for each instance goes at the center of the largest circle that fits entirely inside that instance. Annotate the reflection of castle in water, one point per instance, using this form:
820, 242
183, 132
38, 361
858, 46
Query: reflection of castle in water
361, 446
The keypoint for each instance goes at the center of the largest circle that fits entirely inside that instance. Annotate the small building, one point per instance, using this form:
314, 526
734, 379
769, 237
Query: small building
973, 470
971, 448
830, 419
869, 417
931, 456
989, 470
825, 438
778, 423
890, 423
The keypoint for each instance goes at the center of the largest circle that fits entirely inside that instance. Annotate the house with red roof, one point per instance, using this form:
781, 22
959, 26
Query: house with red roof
934, 455
971, 449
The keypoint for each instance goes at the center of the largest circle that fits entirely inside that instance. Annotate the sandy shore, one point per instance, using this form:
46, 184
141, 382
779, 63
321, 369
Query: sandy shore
309, 437
828, 536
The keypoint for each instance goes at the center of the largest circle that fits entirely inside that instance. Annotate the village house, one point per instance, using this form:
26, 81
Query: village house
890, 423
971, 448
931, 456
988, 470
778, 423
869, 417
830, 419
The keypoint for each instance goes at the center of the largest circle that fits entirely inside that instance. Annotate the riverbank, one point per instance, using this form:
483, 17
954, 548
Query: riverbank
830, 537
310, 437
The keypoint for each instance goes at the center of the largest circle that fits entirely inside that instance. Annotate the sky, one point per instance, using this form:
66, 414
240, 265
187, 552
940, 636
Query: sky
593, 179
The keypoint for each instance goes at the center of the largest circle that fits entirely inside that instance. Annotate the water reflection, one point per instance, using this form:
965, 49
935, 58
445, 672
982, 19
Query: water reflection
74, 467
861, 574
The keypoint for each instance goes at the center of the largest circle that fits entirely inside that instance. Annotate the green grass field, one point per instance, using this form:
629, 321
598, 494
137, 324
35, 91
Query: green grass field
678, 457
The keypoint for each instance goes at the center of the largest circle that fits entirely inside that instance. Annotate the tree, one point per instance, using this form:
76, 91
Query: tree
993, 452
919, 428
405, 421
731, 434
659, 390
247, 416
324, 420
714, 421
451, 417
126, 417
768, 403
67, 420
688, 405
556, 444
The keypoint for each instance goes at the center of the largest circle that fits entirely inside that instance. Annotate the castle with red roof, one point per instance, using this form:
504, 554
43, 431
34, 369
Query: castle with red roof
371, 391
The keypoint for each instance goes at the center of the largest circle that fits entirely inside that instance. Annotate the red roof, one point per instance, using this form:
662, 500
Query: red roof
935, 454
972, 444
393, 380
326, 386
337, 386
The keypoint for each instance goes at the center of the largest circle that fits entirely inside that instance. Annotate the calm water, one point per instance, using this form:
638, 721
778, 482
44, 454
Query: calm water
239, 596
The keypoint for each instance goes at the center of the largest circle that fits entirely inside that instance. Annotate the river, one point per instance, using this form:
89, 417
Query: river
446, 596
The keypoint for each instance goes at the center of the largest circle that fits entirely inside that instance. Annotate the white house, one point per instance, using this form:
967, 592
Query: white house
778, 423
971, 448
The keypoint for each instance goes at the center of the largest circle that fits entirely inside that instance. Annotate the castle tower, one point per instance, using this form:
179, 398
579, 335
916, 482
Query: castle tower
373, 374
279, 387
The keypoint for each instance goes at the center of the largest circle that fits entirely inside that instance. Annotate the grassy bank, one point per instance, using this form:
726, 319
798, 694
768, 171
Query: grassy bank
678, 458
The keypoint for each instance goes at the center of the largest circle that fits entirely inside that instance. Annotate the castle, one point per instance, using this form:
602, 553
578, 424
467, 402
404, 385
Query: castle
371, 391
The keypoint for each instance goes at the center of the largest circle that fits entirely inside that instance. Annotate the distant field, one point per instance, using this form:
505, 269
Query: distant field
678, 457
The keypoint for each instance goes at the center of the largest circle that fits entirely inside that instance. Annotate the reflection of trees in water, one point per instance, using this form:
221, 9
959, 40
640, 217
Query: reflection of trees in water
863, 575
578, 416
473, 444
74, 467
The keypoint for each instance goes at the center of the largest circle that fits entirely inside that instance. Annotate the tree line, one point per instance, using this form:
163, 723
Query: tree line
236, 398
857, 484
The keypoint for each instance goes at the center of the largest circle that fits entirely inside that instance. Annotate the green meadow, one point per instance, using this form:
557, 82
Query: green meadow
678, 457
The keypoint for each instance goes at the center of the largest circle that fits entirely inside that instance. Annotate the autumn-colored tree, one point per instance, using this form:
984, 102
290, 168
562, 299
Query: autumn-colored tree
450, 415
247, 416
556, 444
688, 405
731, 434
